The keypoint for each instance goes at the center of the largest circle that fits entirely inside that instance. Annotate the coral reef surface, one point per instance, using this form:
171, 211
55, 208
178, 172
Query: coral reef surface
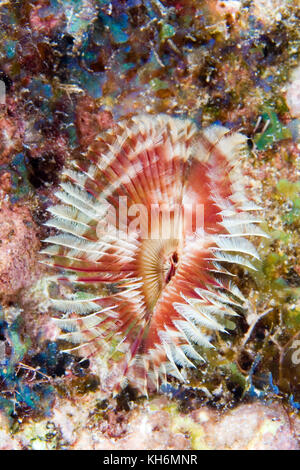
70, 70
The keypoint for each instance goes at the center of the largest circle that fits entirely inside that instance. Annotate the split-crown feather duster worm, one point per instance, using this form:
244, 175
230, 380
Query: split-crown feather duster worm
150, 221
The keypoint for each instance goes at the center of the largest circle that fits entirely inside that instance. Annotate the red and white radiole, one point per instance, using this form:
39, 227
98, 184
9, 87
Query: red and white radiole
149, 222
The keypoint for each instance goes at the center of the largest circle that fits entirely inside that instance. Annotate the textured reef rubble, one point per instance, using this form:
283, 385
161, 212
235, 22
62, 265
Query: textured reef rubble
71, 70
156, 425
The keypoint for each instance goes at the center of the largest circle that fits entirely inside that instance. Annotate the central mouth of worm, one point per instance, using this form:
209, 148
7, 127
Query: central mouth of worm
158, 264
172, 265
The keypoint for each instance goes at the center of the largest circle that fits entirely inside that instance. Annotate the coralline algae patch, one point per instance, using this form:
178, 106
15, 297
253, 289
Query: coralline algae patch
74, 69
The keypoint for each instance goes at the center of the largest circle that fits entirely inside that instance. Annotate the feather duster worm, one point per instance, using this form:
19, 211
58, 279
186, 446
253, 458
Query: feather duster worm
150, 221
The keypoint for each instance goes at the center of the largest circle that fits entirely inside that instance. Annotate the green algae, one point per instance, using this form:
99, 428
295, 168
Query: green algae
275, 131
167, 31
289, 189
157, 84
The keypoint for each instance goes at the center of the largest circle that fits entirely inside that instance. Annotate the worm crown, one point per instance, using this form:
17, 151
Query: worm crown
150, 221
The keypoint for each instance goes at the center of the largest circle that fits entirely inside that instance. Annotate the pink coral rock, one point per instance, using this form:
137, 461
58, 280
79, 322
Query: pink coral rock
250, 427
293, 94
10, 139
18, 248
